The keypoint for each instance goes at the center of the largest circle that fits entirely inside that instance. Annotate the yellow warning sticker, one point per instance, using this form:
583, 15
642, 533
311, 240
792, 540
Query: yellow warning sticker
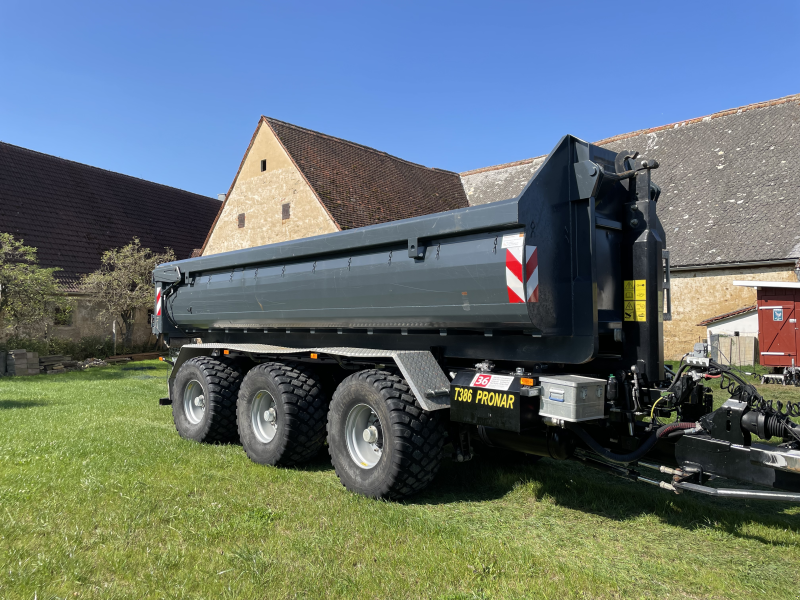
635, 300
641, 289
628, 289
629, 311
641, 311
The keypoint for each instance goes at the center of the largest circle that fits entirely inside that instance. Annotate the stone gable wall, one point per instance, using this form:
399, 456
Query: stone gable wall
260, 196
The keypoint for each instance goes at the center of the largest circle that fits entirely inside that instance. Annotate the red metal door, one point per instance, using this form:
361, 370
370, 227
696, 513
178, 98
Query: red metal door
777, 327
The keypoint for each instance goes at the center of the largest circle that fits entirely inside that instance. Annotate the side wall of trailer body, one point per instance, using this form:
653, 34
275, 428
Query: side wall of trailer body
543, 274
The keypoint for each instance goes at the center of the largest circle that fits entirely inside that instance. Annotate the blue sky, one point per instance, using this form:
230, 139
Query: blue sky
172, 91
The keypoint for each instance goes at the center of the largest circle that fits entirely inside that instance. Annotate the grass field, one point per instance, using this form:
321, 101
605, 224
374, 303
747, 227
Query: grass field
100, 498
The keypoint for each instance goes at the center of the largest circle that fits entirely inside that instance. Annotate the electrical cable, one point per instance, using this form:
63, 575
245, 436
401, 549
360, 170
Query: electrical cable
646, 446
653, 410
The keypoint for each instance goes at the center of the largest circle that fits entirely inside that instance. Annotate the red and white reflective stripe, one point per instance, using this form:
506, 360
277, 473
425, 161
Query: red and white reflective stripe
532, 273
516, 291
158, 302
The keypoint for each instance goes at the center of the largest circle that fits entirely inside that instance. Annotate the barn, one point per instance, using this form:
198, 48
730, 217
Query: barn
72, 213
294, 182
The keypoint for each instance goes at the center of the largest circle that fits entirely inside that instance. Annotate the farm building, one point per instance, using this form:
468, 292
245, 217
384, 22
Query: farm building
72, 213
732, 337
777, 309
294, 182
729, 202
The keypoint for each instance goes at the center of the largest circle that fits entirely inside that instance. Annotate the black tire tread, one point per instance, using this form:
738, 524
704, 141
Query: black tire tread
223, 383
306, 409
420, 434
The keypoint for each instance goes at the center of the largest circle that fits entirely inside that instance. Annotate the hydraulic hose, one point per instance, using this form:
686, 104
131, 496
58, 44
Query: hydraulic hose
636, 454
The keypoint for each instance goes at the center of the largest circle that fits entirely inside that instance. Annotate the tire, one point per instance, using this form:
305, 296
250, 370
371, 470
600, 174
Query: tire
295, 430
406, 450
212, 418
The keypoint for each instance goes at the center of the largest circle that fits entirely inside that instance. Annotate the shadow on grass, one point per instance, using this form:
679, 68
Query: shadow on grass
571, 485
11, 404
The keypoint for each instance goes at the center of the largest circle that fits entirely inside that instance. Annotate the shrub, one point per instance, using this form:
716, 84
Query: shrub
86, 347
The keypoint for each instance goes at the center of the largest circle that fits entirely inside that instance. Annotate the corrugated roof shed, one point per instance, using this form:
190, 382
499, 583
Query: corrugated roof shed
73, 212
731, 192
362, 186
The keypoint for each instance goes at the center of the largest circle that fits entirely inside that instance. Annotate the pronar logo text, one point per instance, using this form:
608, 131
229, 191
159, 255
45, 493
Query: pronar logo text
494, 399
483, 397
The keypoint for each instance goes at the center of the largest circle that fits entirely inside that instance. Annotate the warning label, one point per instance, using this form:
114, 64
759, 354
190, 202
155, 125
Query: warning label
628, 293
635, 311
629, 310
641, 289
634, 292
641, 311
514, 240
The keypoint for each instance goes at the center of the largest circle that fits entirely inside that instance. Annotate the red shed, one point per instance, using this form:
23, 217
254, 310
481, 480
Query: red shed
778, 308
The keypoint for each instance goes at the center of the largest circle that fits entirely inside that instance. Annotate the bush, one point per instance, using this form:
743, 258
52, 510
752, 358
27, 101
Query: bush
86, 347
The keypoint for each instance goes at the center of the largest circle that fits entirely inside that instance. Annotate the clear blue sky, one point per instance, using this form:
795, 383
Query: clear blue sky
172, 92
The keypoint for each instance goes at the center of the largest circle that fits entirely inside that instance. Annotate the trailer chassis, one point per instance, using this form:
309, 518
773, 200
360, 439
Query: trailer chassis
702, 445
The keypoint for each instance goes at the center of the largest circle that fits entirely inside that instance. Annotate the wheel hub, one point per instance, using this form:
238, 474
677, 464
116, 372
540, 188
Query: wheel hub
264, 417
194, 402
364, 436
371, 434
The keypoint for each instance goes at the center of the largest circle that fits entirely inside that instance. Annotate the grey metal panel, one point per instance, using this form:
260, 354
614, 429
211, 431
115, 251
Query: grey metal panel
460, 283
426, 378
454, 222
427, 381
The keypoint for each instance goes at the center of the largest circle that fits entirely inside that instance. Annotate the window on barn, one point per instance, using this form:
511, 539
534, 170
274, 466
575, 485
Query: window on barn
263, 165
286, 210
241, 219
62, 317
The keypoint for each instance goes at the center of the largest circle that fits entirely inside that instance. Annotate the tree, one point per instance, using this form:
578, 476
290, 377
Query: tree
29, 294
123, 283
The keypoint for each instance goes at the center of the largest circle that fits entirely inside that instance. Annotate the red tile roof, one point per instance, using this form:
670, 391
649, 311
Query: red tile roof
73, 212
358, 185
361, 186
733, 313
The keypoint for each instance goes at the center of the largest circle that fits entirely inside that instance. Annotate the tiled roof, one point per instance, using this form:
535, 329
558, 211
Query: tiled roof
73, 212
730, 189
362, 186
733, 313
499, 183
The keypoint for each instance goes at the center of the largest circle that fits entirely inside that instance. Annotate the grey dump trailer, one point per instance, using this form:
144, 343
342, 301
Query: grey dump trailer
533, 324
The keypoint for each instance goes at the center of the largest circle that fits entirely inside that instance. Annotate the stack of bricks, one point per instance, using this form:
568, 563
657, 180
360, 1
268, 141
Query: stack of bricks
21, 362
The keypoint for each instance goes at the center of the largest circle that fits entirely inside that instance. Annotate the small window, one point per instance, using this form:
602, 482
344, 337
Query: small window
263, 165
286, 210
241, 219
63, 316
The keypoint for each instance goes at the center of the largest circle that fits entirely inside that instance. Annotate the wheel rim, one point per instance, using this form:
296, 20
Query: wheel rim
194, 402
364, 435
264, 416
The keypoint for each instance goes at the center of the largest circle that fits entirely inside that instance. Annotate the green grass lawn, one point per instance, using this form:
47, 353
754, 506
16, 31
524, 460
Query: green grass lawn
100, 498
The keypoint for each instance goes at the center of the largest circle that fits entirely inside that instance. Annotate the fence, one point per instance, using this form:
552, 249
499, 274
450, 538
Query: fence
733, 349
